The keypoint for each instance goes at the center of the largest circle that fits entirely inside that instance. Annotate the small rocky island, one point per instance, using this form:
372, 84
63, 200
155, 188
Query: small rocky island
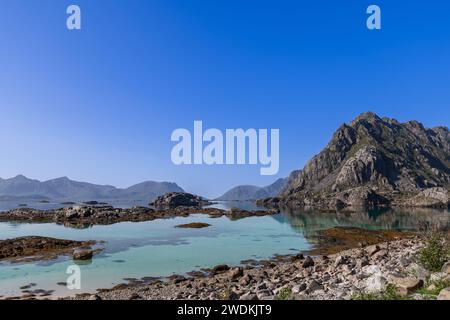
26, 249
193, 225
174, 200
374, 162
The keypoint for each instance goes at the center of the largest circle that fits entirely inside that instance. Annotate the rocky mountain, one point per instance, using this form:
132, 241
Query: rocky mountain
64, 189
375, 161
242, 193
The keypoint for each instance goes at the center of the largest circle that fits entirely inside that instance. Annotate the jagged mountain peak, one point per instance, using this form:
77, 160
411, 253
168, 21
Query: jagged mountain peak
369, 116
381, 155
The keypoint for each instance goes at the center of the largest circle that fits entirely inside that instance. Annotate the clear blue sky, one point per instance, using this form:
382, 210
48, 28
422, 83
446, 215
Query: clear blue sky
99, 104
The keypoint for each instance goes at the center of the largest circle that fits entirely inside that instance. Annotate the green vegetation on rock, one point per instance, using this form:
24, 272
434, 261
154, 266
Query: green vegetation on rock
284, 294
436, 253
389, 293
433, 289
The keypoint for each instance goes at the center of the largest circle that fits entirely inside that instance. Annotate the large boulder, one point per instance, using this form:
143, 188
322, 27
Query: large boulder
446, 268
375, 281
174, 200
406, 285
444, 294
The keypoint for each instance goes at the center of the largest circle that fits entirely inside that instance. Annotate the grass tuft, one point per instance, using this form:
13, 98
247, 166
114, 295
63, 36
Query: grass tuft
433, 293
284, 294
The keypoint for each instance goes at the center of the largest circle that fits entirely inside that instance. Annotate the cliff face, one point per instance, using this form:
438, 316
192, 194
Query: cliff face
375, 161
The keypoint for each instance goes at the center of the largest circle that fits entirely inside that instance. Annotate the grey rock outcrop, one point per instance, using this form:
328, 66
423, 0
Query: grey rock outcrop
174, 200
444, 294
431, 197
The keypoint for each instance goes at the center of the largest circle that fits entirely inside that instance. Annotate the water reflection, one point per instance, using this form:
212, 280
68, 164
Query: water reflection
157, 248
243, 205
411, 219
10, 205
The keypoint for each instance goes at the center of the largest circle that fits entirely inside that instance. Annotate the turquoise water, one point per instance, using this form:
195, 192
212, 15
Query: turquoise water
145, 249
157, 248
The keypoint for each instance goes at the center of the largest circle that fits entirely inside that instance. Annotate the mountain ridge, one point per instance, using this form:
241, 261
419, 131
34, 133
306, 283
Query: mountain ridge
64, 189
374, 161
250, 192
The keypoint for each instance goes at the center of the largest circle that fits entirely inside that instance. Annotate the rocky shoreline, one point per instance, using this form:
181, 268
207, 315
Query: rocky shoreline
82, 216
32, 248
345, 275
361, 198
345, 264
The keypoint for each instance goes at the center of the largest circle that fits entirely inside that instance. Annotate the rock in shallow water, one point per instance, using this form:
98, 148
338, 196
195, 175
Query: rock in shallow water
33, 248
194, 225
220, 269
83, 254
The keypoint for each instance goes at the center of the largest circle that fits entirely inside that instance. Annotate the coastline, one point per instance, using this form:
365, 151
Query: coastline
81, 216
385, 259
338, 276
335, 268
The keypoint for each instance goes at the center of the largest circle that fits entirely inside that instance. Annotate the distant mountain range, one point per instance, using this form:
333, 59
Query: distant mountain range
248, 192
64, 189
